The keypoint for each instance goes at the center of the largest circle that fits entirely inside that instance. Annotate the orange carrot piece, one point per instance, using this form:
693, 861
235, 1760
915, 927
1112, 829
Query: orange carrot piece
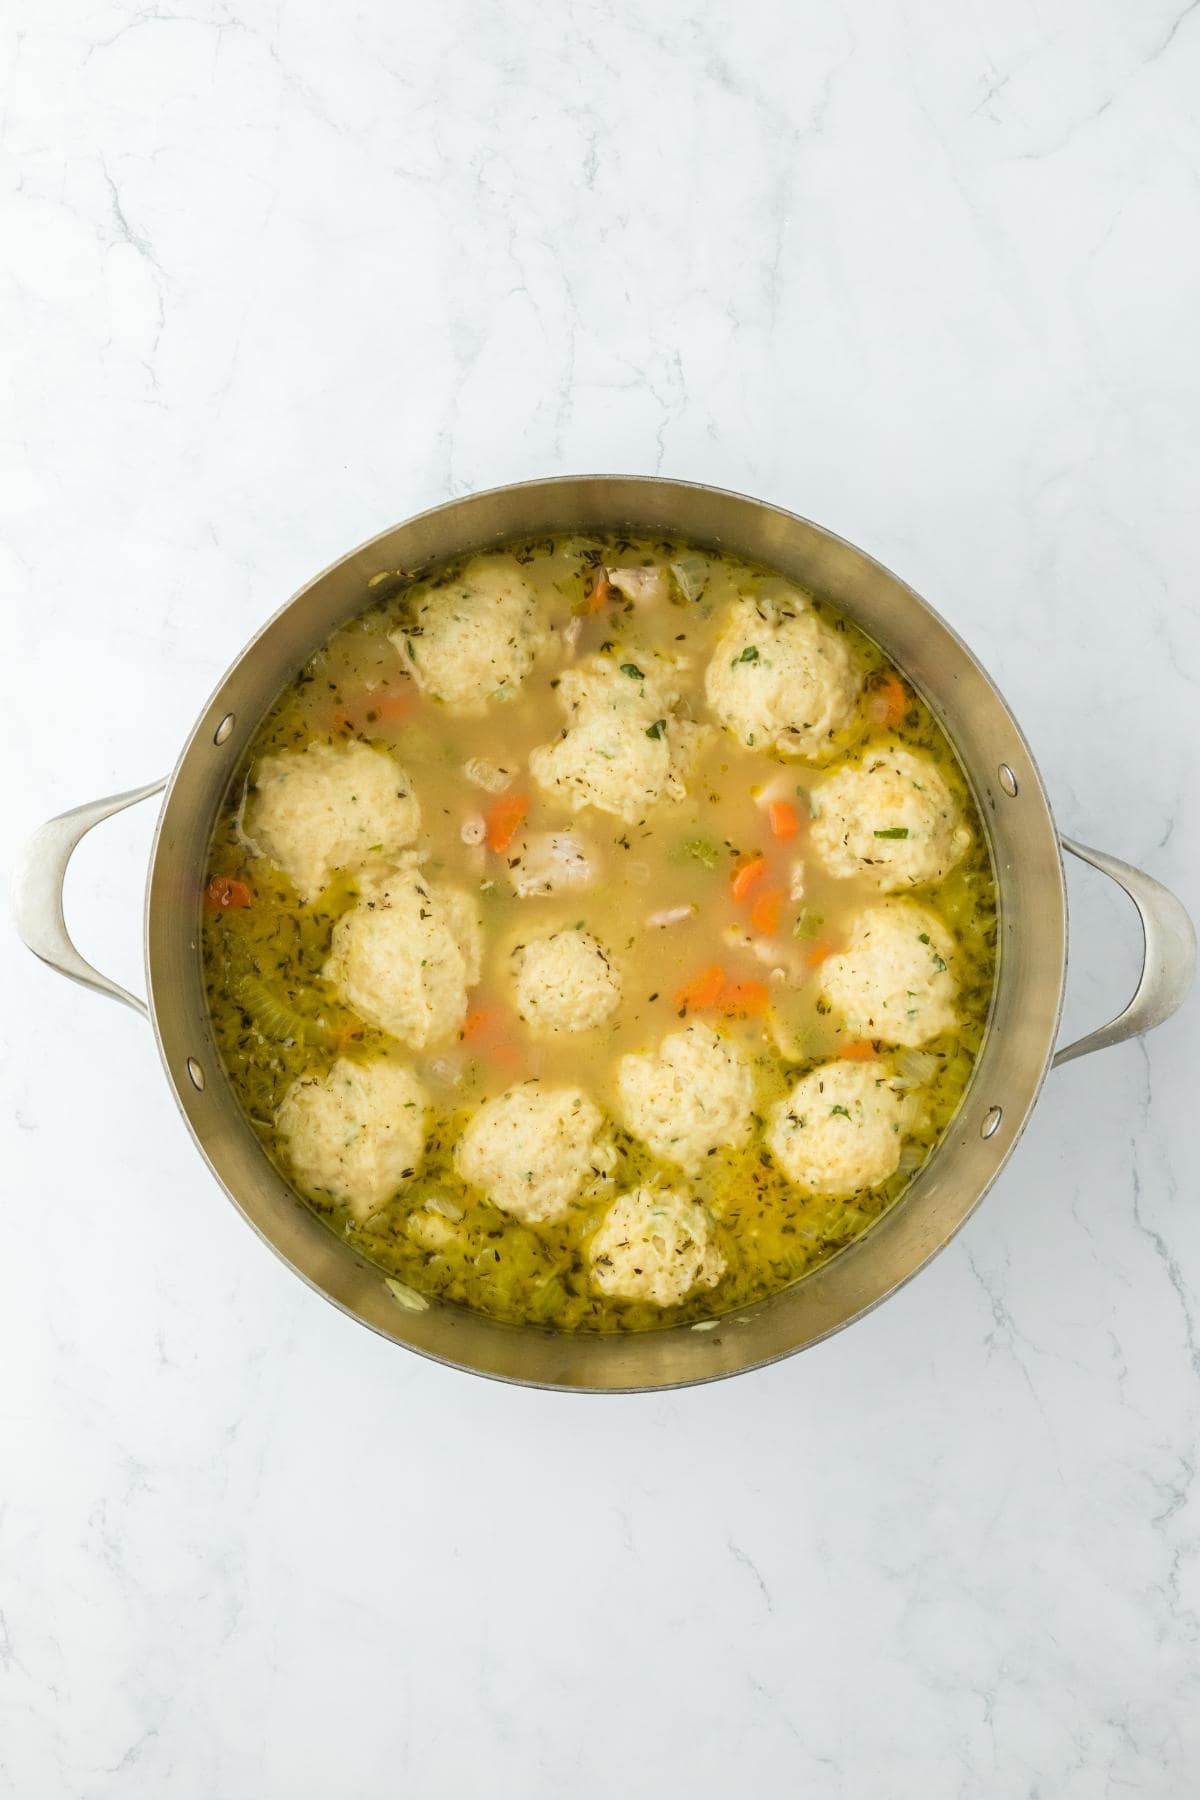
889, 700
364, 709
486, 1029
599, 592
478, 1022
857, 1050
743, 999
764, 914
396, 705
816, 953
785, 821
224, 894
704, 991
747, 878
503, 817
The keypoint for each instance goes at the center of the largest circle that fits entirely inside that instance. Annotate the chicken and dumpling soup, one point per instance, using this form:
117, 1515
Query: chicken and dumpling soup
599, 933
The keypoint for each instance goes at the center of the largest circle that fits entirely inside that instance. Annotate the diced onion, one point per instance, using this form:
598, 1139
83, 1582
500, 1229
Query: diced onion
691, 575
487, 775
405, 1296
915, 1067
439, 1204
672, 915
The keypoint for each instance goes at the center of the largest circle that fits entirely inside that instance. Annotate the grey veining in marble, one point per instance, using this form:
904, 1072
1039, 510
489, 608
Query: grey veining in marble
273, 276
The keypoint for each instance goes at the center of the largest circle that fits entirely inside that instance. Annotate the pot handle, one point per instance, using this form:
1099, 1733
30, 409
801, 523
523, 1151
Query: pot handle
37, 891
1168, 964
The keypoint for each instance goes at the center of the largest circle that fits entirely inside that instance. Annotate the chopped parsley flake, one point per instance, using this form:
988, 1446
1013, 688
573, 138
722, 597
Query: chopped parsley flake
633, 672
656, 730
749, 654
894, 831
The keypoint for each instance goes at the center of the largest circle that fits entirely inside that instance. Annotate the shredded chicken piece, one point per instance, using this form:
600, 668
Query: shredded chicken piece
796, 883
551, 862
672, 915
490, 776
642, 586
788, 962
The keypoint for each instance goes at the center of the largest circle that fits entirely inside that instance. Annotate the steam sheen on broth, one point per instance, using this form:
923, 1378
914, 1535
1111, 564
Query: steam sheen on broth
599, 933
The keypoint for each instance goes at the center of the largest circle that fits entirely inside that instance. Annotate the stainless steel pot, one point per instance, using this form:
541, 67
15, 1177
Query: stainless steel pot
1018, 1051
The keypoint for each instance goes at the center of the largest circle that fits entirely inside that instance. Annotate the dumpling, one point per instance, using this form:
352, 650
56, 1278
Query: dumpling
357, 1133
654, 1244
895, 980
565, 982
623, 749
780, 678
691, 1095
840, 1129
330, 807
533, 1149
475, 639
404, 956
892, 818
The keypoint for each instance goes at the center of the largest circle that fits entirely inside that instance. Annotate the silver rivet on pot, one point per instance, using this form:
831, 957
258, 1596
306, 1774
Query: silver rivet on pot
196, 1073
1007, 780
224, 728
991, 1123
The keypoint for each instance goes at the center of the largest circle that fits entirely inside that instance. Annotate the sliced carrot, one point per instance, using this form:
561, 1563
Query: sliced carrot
478, 1022
764, 914
396, 705
365, 709
486, 1029
857, 1050
784, 819
224, 893
503, 817
747, 878
599, 591
889, 700
704, 991
743, 999
816, 953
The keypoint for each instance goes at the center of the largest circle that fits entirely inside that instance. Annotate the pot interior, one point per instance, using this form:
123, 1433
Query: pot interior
1032, 938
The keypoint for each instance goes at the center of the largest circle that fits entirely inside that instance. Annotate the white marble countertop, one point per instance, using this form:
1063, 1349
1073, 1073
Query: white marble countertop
274, 277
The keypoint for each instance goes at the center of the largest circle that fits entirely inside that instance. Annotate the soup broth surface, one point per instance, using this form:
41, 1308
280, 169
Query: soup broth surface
714, 905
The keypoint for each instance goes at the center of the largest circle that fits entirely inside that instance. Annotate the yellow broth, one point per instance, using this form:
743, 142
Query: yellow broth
275, 1018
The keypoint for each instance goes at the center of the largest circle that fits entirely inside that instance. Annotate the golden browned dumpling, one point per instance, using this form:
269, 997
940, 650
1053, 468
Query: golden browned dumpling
895, 980
534, 1149
357, 1133
405, 956
331, 807
565, 981
840, 1129
890, 817
623, 749
654, 1244
475, 639
781, 679
692, 1094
